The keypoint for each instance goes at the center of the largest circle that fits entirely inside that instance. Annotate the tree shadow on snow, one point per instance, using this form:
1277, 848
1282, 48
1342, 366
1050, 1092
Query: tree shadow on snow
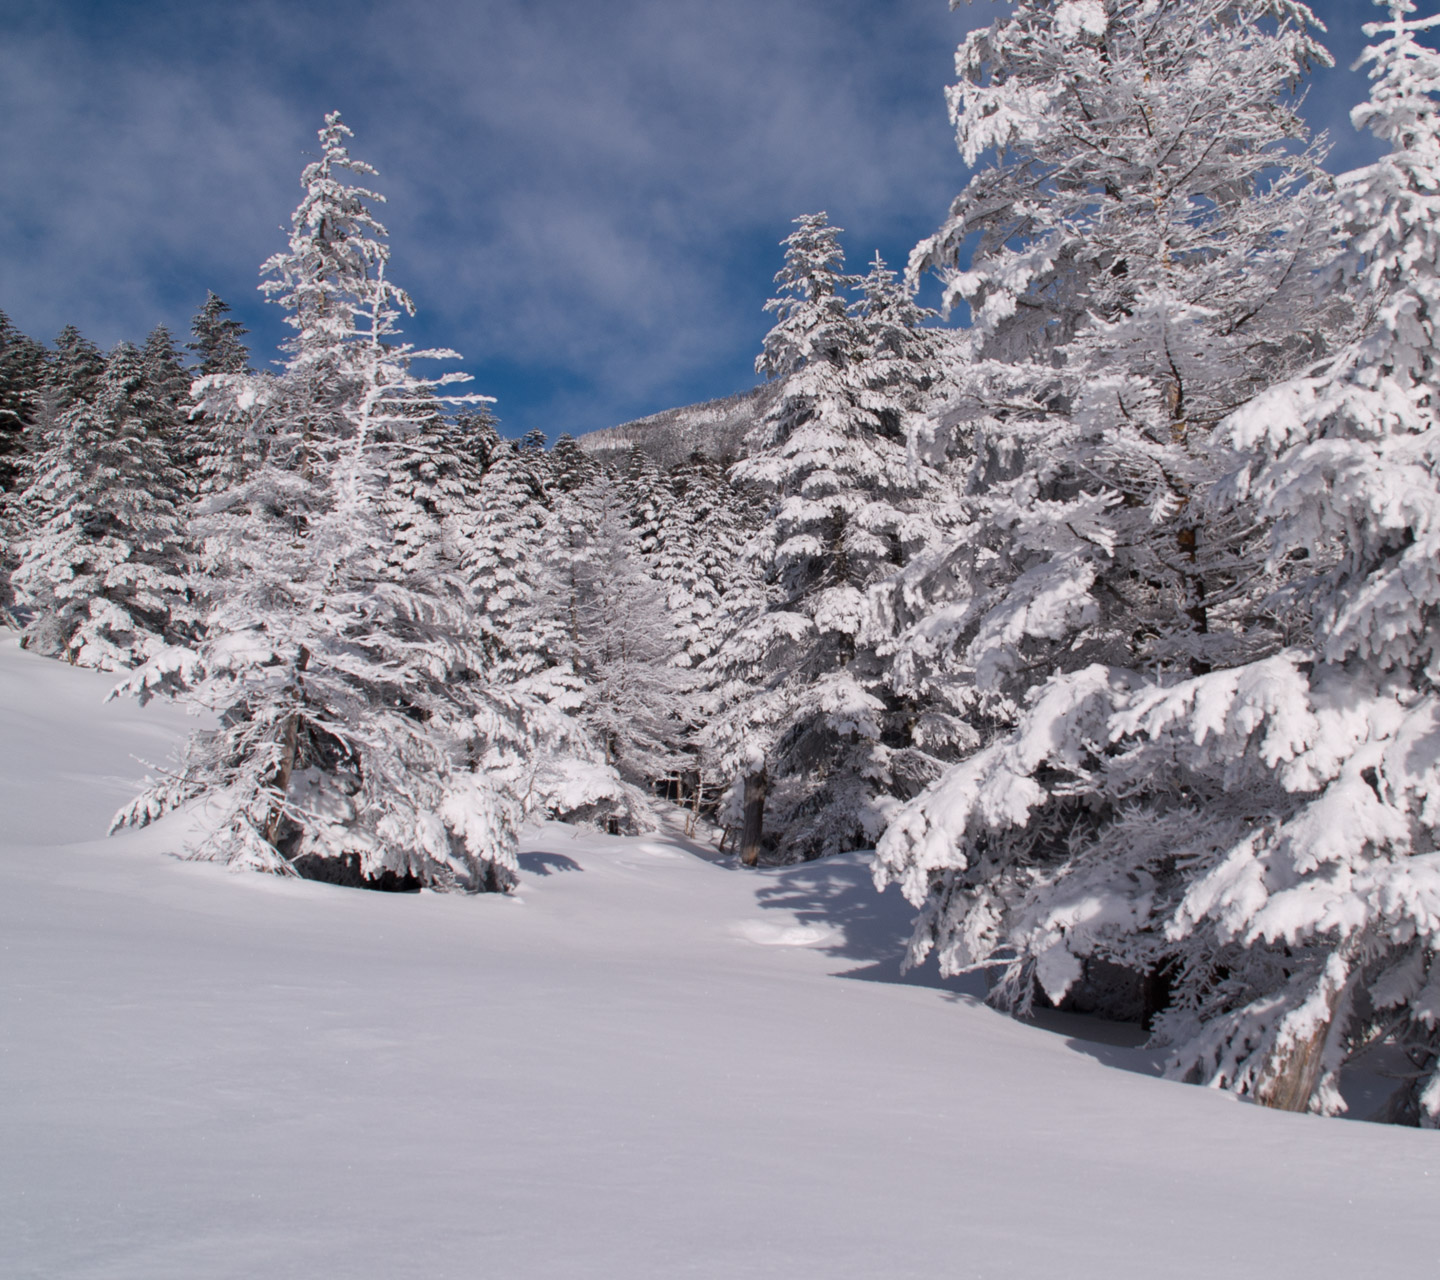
544, 864
838, 895
1114, 1044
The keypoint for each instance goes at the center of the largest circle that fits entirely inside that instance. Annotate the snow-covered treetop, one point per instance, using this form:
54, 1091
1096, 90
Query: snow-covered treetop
332, 278
812, 320
1120, 132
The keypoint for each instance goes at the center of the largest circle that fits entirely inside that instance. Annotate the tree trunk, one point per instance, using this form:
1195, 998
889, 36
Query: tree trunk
756, 787
1289, 1079
1290, 1076
282, 778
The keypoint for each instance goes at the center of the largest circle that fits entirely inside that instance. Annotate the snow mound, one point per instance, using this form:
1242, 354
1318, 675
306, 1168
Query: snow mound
769, 934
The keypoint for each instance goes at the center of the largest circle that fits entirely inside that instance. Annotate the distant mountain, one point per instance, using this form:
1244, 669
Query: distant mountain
714, 429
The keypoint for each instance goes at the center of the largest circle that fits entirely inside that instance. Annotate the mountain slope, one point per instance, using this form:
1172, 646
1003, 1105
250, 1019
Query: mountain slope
714, 429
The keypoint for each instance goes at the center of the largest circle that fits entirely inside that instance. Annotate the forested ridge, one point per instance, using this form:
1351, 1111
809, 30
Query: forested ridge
1102, 603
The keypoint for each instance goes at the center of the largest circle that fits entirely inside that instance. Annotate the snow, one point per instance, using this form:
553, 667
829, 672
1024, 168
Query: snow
646, 1063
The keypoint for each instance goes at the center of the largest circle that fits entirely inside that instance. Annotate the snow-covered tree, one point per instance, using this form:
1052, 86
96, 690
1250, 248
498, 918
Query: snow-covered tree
1253, 833
103, 574
436, 474
24, 376
75, 368
217, 339
1138, 257
699, 557
624, 642
570, 466
806, 723
359, 736
502, 540
23, 364
600, 647
1323, 900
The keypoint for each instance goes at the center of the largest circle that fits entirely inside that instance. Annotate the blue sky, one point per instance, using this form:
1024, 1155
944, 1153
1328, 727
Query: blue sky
585, 196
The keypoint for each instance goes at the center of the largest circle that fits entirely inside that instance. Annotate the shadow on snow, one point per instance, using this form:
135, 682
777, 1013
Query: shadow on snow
872, 930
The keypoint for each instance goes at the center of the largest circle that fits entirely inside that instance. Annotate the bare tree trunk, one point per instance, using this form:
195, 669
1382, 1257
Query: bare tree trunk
757, 785
282, 777
692, 819
1289, 1079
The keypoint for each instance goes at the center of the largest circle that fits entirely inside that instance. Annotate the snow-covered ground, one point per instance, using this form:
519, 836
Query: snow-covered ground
647, 1063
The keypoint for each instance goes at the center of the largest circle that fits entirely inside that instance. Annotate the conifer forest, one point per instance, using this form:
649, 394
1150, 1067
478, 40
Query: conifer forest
1100, 600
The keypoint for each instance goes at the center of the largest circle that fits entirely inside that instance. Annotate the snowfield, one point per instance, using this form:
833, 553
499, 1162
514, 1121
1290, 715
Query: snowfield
647, 1063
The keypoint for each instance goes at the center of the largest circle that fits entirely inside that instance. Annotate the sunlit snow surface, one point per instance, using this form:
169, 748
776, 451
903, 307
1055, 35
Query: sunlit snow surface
646, 1064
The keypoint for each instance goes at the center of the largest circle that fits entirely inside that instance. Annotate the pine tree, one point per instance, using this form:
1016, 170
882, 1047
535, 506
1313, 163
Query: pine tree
24, 405
75, 369
360, 738
1147, 254
217, 451
217, 339
1319, 898
23, 371
570, 464
624, 643
435, 481
104, 574
592, 639
811, 734
501, 558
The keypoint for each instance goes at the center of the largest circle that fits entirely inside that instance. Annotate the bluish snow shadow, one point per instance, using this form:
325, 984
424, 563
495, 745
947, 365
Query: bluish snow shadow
874, 929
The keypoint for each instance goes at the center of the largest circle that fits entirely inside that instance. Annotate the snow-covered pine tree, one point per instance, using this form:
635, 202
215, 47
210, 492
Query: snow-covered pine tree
598, 645
1145, 258
501, 544
359, 737
710, 586
646, 498
23, 364
808, 732
624, 641
24, 377
103, 575
700, 558
570, 465
1137, 259
75, 368
435, 479
1309, 929
218, 449
167, 386
217, 339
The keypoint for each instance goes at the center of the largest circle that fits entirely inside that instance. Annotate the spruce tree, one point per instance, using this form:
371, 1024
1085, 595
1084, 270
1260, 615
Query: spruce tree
75, 368
1310, 884
1141, 252
103, 575
360, 736
811, 733
23, 376
217, 339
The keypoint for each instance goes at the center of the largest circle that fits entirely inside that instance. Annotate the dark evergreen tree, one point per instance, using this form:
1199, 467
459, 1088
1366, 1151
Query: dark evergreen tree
570, 465
218, 344
75, 369
23, 375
